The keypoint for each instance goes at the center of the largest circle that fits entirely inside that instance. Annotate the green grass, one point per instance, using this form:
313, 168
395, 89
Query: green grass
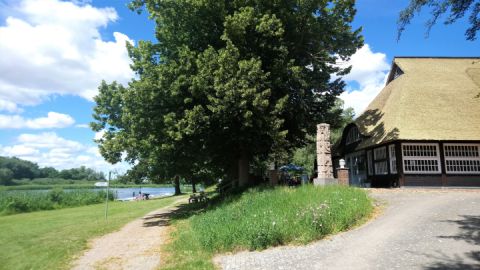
264, 218
14, 202
49, 239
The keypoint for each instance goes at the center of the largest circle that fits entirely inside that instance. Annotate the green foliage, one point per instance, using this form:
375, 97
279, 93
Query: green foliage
6, 176
227, 81
20, 168
264, 218
13, 202
305, 157
50, 239
457, 9
23, 169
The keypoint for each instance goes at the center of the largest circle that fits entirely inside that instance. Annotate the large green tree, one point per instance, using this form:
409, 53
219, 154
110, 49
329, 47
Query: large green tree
456, 9
227, 81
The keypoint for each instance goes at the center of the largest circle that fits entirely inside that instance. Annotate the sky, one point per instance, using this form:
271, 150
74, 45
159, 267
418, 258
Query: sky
54, 54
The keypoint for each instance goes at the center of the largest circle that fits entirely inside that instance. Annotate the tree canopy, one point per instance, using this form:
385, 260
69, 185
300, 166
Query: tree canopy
456, 9
227, 82
15, 168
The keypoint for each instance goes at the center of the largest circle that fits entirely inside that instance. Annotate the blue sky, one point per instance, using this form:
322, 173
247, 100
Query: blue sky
54, 53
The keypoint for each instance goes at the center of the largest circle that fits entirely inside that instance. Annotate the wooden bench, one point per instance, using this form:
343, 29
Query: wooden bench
195, 198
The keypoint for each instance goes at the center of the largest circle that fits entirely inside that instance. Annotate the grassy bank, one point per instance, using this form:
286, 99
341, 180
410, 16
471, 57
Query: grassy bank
49, 239
263, 218
14, 202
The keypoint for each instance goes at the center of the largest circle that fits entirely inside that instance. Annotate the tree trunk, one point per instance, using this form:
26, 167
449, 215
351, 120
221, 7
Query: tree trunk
177, 185
194, 187
243, 166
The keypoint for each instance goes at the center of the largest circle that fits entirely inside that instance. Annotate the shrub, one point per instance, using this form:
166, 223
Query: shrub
12, 202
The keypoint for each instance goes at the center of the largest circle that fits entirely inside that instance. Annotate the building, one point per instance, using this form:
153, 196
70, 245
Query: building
423, 128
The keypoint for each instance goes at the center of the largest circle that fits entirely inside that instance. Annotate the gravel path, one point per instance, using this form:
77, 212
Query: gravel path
418, 229
135, 246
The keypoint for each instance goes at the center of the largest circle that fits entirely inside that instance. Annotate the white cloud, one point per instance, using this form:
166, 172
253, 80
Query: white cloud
19, 150
52, 120
54, 47
82, 126
9, 106
49, 149
49, 140
369, 71
99, 135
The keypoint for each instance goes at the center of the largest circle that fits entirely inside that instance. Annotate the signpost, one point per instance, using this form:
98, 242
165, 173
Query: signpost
106, 201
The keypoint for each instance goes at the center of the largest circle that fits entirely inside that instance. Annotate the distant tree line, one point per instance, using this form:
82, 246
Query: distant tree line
15, 168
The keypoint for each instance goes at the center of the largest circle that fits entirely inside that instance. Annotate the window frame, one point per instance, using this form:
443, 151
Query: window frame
422, 158
461, 158
353, 135
392, 159
370, 162
381, 160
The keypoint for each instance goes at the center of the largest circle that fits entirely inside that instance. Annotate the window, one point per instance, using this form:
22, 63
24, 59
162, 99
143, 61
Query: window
370, 162
462, 158
380, 156
421, 158
395, 73
353, 135
393, 159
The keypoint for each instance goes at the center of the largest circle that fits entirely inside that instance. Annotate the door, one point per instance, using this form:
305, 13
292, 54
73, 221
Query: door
356, 168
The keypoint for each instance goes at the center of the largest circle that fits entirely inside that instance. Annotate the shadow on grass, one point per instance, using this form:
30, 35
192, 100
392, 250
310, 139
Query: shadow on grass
186, 210
469, 231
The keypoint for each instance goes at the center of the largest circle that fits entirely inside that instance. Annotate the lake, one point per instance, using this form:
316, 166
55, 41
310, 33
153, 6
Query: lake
126, 194
122, 194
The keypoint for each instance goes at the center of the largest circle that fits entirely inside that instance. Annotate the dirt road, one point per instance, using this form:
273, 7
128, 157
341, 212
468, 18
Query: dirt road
135, 246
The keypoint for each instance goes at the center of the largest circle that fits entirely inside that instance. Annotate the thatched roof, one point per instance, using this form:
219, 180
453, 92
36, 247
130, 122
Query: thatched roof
434, 99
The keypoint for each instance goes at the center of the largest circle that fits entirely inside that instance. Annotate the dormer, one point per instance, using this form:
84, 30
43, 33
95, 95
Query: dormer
394, 73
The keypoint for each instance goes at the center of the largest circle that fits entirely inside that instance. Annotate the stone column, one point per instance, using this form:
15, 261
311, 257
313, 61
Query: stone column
324, 156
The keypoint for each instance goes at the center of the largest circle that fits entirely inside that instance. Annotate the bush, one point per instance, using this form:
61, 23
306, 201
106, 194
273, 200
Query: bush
13, 202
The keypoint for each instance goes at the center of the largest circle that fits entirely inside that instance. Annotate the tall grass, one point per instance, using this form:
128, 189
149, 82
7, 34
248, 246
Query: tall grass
13, 202
263, 218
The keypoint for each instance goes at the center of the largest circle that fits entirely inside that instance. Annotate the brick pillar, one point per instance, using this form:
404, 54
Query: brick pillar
342, 176
273, 174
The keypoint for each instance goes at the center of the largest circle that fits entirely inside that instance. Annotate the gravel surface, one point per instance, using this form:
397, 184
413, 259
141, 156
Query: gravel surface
418, 229
135, 246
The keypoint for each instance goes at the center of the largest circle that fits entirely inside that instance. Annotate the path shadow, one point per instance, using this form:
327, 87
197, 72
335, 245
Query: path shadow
469, 229
186, 210
183, 211
469, 232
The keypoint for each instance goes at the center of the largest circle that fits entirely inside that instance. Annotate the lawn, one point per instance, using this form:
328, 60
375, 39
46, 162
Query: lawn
261, 218
49, 239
